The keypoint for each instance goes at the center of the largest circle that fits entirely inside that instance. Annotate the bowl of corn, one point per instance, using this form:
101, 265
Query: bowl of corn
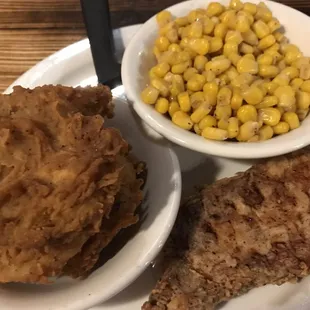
225, 78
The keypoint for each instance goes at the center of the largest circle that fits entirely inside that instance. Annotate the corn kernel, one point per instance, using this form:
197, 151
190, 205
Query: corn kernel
211, 90
247, 15
279, 36
271, 87
195, 29
267, 71
199, 45
214, 9
200, 62
292, 119
196, 98
224, 96
282, 80
195, 15
181, 21
182, 120
266, 42
247, 131
174, 47
304, 71
203, 109
291, 72
232, 73
270, 116
207, 25
196, 82
177, 85
220, 31
291, 56
162, 105
246, 65
305, 86
189, 73
236, 100
236, 5
173, 107
261, 29
300, 61
303, 100
265, 133
207, 121
215, 134
233, 36
234, 58
229, 18
219, 66
250, 8
252, 94
264, 14
274, 25
209, 76
242, 79
247, 113
286, 96
223, 124
162, 43
233, 127
180, 68
161, 85
163, 18
222, 112
197, 130
302, 114
229, 48
161, 69
296, 83
242, 24
149, 95
281, 128
246, 49
250, 37
215, 44
268, 101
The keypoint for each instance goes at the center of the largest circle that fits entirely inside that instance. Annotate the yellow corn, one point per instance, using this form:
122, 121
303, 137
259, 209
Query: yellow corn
286, 96
234, 36
177, 85
209, 76
281, 128
302, 114
270, 87
300, 61
233, 127
180, 68
303, 100
267, 71
174, 47
252, 94
215, 20
149, 95
181, 21
163, 18
199, 45
190, 72
268, 101
162, 105
229, 18
275, 55
250, 8
207, 121
224, 79
246, 48
197, 130
214, 134
173, 107
260, 84
162, 43
202, 110
274, 25
234, 58
196, 82
172, 36
266, 42
249, 16
195, 29
219, 66
211, 90
254, 139
236, 100
263, 14
232, 73
291, 56
196, 99
292, 119
214, 9
247, 113
246, 65
223, 112
236, 5
265, 133
161, 69
265, 59
247, 131
195, 15
215, 44
161, 85
249, 56
282, 80
224, 96
304, 71
242, 79
270, 116
291, 72
305, 86
261, 29
207, 25
229, 48
182, 120
296, 83
220, 31
279, 36
273, 48
223, 124
184, 101
200, 62
242, 24
250, 37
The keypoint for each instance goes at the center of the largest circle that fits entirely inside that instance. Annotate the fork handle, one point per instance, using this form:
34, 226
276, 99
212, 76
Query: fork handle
96, 15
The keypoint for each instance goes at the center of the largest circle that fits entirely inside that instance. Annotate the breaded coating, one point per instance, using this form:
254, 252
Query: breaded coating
61, 173
237, 234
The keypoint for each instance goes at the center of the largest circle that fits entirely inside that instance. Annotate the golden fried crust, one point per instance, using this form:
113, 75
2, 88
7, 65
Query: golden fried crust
237, 234
61, 172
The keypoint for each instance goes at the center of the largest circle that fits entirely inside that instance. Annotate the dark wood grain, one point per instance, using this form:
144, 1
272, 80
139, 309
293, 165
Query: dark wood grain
31, 30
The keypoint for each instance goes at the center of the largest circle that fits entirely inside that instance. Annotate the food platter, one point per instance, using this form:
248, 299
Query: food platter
73, 66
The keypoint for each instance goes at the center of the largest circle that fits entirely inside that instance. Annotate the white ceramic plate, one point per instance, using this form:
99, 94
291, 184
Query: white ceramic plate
73, 66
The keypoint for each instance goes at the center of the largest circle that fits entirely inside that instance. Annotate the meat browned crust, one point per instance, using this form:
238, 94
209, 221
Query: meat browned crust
237, 234
61, 172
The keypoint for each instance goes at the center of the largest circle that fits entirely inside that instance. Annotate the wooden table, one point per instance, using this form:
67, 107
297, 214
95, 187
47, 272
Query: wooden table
30, 30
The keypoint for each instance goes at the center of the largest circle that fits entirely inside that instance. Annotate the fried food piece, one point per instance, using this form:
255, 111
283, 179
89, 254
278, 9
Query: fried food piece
237, 234
61, 173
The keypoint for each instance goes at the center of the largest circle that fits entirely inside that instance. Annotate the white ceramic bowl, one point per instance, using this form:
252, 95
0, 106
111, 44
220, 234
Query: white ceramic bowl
138, 60
162, 198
